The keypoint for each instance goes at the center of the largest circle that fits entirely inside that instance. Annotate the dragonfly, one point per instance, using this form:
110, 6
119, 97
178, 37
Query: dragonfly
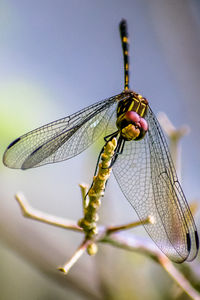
142, 164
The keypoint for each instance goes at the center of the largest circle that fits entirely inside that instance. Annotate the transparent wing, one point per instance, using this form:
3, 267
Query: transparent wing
61, 139
147, 177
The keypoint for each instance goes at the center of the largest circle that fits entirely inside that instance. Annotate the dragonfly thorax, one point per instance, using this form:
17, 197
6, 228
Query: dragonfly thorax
130, 113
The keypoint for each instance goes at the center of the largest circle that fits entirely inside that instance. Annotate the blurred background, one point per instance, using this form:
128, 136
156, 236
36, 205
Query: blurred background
56, 58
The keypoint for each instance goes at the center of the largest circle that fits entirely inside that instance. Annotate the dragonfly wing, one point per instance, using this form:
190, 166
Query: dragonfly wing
61, 139
169, 198
147, 177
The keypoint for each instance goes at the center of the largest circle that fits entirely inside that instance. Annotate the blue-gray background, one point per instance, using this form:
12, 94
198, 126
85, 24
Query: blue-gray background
57, 57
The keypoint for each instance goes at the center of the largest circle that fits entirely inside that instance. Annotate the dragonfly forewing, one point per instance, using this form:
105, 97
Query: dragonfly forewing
61, 139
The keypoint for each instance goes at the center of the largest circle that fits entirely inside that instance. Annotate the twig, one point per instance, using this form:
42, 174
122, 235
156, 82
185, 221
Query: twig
37, 215
84, 189
112, 229
78, 253
179, 278
133, 244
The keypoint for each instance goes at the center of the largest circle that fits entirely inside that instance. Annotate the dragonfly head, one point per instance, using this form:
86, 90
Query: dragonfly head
133, 127
130, 117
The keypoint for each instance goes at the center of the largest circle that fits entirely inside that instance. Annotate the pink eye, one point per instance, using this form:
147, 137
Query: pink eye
132, 116
144, 124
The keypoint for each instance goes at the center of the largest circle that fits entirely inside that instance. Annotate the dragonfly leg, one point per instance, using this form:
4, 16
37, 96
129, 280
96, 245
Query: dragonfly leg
111, 136
119, 150
96, 169
98, 160
106, 139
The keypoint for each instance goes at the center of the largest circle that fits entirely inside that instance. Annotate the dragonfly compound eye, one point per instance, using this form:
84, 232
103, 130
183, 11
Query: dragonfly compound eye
132, 116
144, 124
